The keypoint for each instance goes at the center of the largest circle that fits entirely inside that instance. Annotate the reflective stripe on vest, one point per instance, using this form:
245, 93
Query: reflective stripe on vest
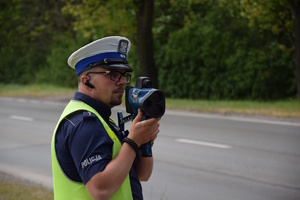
63, 187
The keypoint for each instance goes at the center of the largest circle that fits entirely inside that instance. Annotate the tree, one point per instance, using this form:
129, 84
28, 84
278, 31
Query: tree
212, 53
295, 7
277, 16
26, 37
223, 49
144, 17
132, 19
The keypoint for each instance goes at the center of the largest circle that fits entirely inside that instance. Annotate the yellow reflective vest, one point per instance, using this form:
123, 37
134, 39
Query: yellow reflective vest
64, 188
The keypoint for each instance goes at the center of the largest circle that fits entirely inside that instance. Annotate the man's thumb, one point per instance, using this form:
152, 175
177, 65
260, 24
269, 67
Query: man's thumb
139, 117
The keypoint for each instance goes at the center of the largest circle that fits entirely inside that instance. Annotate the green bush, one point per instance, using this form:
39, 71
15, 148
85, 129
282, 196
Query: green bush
219, 56
56, 70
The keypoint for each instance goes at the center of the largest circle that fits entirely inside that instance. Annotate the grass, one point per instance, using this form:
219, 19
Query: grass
13, 191
284, 108
40, 90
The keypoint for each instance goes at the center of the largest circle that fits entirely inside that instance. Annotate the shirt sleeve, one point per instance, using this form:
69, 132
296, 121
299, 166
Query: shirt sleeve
90, 147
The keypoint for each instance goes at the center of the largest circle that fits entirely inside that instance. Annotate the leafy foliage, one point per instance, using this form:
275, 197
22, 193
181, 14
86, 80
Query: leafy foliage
216, 55
222, 49
56, 69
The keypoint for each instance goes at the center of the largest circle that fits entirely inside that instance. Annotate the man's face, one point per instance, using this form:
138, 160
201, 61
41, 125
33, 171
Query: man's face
106, 90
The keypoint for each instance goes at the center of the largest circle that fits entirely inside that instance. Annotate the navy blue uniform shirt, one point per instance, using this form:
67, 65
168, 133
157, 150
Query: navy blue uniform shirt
84, 148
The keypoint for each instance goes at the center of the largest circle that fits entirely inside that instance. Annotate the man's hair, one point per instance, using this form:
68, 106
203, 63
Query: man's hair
79, 77
85, 72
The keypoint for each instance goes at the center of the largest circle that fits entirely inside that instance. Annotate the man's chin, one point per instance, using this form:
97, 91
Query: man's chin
113, 104
116, 102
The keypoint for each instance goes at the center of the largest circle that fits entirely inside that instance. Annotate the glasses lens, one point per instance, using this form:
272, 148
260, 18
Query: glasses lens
115, 76
127, 78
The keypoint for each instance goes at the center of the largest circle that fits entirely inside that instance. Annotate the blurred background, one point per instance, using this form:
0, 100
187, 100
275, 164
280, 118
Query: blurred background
234, 64
195, 49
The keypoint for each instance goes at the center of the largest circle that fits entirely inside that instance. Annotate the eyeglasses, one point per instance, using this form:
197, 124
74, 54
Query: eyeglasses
114, 75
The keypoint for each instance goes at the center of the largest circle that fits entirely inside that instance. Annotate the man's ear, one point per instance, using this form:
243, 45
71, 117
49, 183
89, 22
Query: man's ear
85, 80
87, 83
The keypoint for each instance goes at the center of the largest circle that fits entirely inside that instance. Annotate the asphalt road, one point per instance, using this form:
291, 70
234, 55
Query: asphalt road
197, 156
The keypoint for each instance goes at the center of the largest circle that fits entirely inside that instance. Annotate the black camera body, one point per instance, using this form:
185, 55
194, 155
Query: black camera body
150, 100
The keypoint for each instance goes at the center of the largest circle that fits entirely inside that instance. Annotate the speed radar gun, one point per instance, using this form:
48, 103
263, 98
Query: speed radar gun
150, 100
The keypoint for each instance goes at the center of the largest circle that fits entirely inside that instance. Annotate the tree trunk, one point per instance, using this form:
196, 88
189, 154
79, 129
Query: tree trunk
295, 6
145, 10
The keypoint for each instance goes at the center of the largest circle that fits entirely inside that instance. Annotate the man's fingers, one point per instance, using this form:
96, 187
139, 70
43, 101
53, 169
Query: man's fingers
139, 117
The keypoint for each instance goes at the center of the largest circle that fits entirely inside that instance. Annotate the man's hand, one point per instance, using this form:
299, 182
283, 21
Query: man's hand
144, 131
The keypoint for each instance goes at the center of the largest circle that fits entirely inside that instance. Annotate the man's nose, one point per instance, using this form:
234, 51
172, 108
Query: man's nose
122, 81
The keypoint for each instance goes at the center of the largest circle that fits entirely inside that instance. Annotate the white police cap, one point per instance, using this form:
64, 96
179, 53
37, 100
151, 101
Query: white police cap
109, 52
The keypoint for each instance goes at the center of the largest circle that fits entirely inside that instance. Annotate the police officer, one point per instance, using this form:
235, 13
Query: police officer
90, 157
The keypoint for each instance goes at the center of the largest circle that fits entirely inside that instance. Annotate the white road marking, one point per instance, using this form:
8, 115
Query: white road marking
232, 118
54, 103
186, 114
22, 100
202, 143
35, 101
21, 118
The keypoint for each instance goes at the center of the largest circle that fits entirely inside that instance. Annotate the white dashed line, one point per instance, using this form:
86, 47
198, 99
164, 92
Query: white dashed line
21, 118
202, 143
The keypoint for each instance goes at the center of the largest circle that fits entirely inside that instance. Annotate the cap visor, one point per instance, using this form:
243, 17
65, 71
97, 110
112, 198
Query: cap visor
118, 67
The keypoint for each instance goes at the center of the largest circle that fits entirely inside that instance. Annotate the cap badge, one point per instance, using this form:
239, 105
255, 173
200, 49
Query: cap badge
123, 45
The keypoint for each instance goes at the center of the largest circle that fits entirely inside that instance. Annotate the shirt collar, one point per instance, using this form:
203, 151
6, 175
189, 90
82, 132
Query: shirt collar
99, 106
